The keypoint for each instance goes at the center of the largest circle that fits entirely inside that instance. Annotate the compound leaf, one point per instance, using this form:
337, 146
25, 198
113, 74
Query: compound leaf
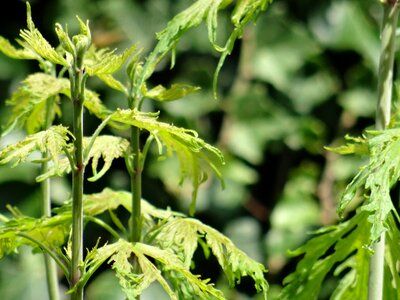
192, 151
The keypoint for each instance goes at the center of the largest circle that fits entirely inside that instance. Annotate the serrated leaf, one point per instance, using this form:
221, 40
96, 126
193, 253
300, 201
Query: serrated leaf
8, 49
345, 244
113, 83
376, 178
182, 235
33, 39
105, 61
29, 101
119, 255
193, 153
53, 140
201, 11
106, 147
176, 91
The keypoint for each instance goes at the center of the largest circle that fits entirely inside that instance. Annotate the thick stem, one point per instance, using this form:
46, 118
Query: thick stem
136, 187
77, 95
385, 81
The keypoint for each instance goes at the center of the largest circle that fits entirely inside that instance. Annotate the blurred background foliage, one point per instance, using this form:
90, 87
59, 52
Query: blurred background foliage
298, 81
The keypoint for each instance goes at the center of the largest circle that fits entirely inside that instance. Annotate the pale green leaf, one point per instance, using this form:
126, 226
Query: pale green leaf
354, 145
149, 258
376, 178
29, 101
113, 83
108, 148
344, 245
182, 235
8, 49
33, 39
202, 11
105, 61
53, 140
193, 153
176, 91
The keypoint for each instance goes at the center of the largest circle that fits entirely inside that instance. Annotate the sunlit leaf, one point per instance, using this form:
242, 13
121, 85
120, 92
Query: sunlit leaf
193, 152
8, 49
29, 101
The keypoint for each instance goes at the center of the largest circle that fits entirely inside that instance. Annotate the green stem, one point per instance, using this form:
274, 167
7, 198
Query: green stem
136, 187
78, 79
383, 113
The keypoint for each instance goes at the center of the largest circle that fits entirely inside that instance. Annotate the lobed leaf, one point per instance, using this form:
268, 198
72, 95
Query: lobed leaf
29, 101
192, 151
183, 235
345, 245
53, 140
376, 178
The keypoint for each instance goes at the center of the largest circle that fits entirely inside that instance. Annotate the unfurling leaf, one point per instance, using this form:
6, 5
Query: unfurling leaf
29, 101
7, 49
33, 39
354, 145
193, 153
176, 91
53, 140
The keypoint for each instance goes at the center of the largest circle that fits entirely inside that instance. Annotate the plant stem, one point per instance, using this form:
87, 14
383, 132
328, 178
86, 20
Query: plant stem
136, 187
50, 265
385, 82
78, 79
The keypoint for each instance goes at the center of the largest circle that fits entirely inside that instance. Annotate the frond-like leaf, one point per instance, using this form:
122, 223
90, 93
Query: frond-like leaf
377, 178
176, 91
182, 236
54, 140
345, 245
192, 151
119, 255
29, 101
33, 39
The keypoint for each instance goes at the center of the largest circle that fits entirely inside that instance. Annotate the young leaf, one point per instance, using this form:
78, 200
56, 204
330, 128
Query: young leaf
8, 49
54, 140
192, 151
354, 145
377, 178
176, 91
29, 101
345, 244
104, 61
119, 255
33, 39
182, 235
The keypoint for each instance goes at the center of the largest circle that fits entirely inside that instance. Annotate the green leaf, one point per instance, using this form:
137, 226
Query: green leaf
377, 178
105, 61
106, 147
183, 235
176, 91
354, 145
54, 140
113, 83
7, 49
29, 101
149, 257
193, 152
207, 11
345, 245
33, 39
